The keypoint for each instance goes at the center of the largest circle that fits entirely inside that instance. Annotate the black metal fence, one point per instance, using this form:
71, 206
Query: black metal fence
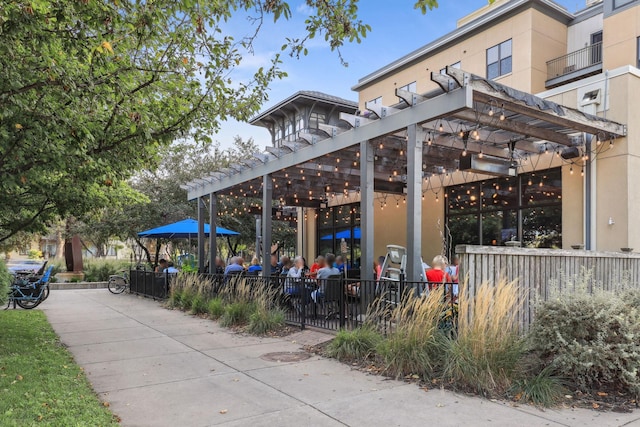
333, 304
150, 284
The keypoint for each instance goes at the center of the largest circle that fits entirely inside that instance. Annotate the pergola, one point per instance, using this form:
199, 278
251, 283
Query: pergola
469, 124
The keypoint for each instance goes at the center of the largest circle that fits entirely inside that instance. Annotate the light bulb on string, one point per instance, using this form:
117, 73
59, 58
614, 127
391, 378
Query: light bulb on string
441, 128
582, 172
381, 146
611, 143
480, 154
571, 170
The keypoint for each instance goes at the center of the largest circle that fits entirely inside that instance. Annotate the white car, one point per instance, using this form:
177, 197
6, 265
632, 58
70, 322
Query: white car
24, 266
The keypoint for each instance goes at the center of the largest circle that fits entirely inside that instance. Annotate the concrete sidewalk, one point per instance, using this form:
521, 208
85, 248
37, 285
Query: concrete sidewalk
158, 367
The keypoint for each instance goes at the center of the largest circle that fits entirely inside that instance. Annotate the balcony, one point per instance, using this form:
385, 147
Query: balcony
574, 66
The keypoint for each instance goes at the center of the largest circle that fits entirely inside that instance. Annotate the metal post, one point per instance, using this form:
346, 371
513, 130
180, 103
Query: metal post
258, 237
588, 196
414, 204
213, 223
267, 201
366, 210
201, 215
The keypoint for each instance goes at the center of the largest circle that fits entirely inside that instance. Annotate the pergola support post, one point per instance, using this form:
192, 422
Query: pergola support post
267, 201
414, 205
366, 210
201, 215
213, 220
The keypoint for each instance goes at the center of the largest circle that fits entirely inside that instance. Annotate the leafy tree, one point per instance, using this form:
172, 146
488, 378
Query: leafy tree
90, 90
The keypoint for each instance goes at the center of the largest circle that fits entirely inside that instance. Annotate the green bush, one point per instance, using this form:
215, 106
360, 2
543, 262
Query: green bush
188, 295
237, 313
34, 254
175, 298
359, 344
542, 389
215, 308
5, 282
592, 340
199, 304
263, 321
100, 270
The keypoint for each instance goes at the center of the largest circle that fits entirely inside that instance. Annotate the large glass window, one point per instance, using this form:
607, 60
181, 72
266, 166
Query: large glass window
527, 208
339, 232
499, 60
315, 119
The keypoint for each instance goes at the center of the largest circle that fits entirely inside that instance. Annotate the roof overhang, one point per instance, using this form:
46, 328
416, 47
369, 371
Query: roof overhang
472, 116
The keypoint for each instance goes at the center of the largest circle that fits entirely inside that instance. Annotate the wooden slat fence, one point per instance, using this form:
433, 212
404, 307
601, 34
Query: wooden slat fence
542, 273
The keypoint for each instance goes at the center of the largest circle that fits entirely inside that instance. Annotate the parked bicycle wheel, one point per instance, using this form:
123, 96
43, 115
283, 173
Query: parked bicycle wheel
117, 284
28, 304
45, 293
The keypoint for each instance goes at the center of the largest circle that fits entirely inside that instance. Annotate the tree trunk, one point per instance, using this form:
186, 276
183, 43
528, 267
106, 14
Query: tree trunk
144, 248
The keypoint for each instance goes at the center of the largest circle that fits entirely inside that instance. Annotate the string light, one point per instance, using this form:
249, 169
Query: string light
480, 154
441, 128
571, 170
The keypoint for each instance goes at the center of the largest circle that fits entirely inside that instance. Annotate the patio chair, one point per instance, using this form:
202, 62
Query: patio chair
333, 295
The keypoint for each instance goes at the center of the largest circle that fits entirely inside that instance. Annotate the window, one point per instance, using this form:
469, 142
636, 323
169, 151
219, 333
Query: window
315, 119
456, 65
411, 87
499, 60
620, 3
336, 224
527, 208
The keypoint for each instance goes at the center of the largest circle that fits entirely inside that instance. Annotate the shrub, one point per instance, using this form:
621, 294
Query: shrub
413, 347
215, 308
34, 254
237, 313
262, 321
592, 340
543, 388
100, 270
199, 304
5, 282
175, 298
359, 343
187, 298
485, 353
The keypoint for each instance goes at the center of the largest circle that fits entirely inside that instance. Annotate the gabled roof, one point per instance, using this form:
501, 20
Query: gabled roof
311, 95
486, 20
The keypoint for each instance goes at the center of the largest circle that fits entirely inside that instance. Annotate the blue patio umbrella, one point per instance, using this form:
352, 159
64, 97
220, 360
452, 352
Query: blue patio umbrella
184, 229
344, 234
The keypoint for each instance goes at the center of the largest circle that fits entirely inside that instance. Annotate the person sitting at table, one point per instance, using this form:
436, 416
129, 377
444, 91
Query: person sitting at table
317, 265
219, 266
162, 265
437, 274
323, 274
255, 265
276, 268
235, 266
296, 271
286, 265
170, 268
339, 264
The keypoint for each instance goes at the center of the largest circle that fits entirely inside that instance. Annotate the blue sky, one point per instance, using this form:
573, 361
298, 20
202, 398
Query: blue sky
397, 29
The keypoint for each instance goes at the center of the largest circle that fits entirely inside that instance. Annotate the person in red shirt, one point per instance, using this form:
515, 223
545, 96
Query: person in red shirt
437, 275
317, 265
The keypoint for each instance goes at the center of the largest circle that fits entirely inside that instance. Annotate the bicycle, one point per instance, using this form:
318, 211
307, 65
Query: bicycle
27, 293
118, 283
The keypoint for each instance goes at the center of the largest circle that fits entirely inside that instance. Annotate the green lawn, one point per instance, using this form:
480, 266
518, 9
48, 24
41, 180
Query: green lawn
40, 384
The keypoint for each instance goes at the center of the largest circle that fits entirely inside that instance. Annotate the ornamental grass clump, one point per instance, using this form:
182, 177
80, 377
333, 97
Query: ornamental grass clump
413, 347
593, 340
357, 344
215, 308
267, 316
485, 353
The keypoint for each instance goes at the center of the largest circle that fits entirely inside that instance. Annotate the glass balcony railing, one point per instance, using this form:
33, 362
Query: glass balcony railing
578, 64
